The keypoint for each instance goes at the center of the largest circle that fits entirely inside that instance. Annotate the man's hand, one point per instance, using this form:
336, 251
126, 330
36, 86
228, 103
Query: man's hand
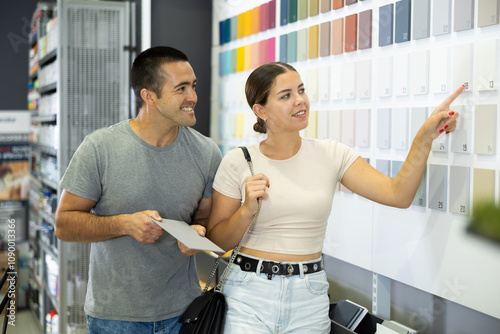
188, 251
143, 229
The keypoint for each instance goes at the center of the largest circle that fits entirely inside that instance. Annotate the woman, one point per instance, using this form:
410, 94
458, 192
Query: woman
277, 283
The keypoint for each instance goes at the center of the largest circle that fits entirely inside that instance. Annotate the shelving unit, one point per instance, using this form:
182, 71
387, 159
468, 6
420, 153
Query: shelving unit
78, 82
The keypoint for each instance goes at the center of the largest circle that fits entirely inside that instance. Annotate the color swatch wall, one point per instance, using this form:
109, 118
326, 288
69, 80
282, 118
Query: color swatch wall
374, 71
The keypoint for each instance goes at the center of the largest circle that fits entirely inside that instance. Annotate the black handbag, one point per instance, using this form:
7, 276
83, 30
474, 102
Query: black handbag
206, 314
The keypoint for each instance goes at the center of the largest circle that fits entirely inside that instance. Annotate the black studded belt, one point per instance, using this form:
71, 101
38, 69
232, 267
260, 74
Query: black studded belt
271, 268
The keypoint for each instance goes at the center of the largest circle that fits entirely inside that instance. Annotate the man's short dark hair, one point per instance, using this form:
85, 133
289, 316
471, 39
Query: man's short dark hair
146, 70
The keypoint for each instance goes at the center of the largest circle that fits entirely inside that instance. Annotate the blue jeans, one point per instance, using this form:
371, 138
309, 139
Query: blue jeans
294, 304
102, 326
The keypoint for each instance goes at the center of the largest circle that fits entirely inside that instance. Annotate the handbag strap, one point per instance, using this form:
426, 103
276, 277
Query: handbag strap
237, 248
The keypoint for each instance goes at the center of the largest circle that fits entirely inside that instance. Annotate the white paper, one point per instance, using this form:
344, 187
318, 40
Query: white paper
187, 235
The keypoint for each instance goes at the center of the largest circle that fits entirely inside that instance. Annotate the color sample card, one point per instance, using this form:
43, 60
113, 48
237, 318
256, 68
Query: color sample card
463, 15
302, 44
396, 167
312, 127
420, 198
483, 189
485, 129
400, 74
336, 83
487, 12
324, 83
283, 12
322, 121
337, 4
325, 6
292, 11
335, 125
324, 39
362, 128
486, 65
462, 66
384, 128
365, 30
385, 25
438, 186
383, 166
418, 115
348, 127
247, 23
240, 59
385, 76
313, 41
264, 16
440, 144
350, 2
312, 84
399, 126
338, 36
349, 80
272, 14
241, 28
351, 33
303, 9
460, 190
271, 49
421, 19
313, 7
364, 78
292, 47
255, 20
460, 138
283, 48
441, 17
403, 21
439, 70
419, 76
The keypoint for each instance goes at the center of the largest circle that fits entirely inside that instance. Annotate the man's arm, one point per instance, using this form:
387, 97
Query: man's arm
74, 222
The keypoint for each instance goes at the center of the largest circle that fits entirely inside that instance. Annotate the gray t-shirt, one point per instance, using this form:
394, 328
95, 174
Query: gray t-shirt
113, 166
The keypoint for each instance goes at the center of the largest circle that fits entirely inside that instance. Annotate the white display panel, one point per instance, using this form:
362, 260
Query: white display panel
323, 124
312, 84
384, 67
486, 65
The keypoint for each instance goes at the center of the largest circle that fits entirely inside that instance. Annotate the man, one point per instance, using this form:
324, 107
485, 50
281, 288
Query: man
141, 279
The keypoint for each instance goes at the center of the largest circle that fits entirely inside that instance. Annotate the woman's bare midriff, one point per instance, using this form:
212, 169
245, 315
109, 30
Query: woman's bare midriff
279, 257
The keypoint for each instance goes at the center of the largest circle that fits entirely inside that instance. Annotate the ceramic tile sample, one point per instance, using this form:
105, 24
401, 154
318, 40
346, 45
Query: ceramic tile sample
386, 25
402, 29
395, 167
349, 80
351, 33
462, 66
336, 83
421, 19
418, 115
272, 14
384, 128
365, 30
364, 78
463, 15
283, 48
324, 83
234, 28
283, 12
419, 76
255, 20
312, 127
335, 125
460, 190
312, 84
487, 12
438, 187
460, 138
302, 44
271, 49
313, 7
303, 9
264, 17
441, 17
439, 70
292, 11
383, 166
292, 47
322, 127
348, 127
400, 74
399, 126
325, 6
337, 4
362, 128
350, 2
483, 188
324, 39
440, 144
485, 129
486, 65
313, 41
338, 36
384, 68
420, 198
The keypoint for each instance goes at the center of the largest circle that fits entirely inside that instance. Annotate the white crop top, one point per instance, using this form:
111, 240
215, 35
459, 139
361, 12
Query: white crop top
293, 218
